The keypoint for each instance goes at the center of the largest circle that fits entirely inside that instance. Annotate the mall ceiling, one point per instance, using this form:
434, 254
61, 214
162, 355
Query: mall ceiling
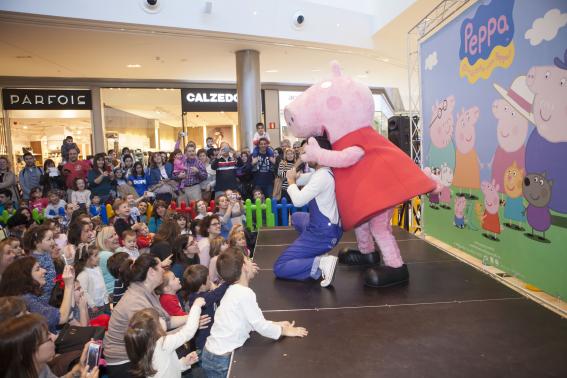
50, 47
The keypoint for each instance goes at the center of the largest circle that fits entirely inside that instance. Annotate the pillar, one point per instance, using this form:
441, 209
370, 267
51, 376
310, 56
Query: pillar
97, 117
249, 95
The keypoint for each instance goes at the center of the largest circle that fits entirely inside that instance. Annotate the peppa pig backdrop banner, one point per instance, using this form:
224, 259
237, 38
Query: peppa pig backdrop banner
494, 92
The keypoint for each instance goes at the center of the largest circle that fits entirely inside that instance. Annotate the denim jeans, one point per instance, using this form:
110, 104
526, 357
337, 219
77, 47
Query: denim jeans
215, 366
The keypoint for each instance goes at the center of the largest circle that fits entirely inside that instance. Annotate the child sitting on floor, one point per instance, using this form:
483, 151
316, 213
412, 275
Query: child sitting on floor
167, 292
130, 244
218, 245
80, 195
151, 351
117, 268
237, 238
37, 201
96, 209
238, 315
144, 238
56, 205
196, 284
91, 279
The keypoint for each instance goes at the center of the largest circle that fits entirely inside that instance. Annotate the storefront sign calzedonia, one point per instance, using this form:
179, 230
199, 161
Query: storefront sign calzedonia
44, 99
209, 100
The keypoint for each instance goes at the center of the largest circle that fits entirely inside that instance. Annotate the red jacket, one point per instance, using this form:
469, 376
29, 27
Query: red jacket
384, 177
170, 304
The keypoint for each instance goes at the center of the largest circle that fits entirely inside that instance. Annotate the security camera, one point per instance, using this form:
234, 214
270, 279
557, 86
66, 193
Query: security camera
151, 6
298, 19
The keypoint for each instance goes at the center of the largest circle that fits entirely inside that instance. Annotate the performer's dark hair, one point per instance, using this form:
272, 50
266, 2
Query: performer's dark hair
324, 142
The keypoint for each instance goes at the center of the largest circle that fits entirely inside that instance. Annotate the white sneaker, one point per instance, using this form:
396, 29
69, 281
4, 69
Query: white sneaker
327, 264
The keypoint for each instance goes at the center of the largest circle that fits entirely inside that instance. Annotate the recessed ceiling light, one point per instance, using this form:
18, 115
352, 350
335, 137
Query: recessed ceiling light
338, 25
255, 13
134, 65
25, 127
385, 60
271, 71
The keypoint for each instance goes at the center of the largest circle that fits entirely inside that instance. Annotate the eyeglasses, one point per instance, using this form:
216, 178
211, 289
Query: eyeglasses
440, 110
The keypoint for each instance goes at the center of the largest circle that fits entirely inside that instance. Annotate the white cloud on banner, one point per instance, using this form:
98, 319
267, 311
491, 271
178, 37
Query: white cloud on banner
431, 61
546, 27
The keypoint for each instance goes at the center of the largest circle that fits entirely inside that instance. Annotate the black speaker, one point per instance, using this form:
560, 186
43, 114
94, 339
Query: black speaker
399, 132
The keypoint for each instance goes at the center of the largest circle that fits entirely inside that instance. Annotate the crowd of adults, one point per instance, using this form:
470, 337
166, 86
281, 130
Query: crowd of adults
70, 272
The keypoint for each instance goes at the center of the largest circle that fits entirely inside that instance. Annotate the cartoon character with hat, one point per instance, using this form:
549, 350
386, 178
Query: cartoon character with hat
512, 112
546, 147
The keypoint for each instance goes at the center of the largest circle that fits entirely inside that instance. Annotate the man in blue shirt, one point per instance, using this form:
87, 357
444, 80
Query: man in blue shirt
29, 176
264, 161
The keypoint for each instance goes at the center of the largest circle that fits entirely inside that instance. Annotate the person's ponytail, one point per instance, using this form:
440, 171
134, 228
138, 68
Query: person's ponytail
138, 270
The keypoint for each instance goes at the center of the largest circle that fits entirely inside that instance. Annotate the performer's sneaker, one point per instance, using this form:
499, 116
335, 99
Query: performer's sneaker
327, 264
354, 257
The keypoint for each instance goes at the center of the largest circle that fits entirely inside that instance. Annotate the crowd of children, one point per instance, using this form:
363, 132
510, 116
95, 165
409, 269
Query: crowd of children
101, 249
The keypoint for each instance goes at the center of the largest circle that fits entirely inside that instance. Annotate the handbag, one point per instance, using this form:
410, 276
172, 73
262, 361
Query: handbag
277, 193
74, 338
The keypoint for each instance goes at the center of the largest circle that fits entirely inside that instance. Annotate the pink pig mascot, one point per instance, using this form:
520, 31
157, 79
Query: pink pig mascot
371, 174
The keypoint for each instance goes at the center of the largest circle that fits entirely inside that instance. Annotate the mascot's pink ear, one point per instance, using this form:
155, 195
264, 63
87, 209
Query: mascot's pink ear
336, 69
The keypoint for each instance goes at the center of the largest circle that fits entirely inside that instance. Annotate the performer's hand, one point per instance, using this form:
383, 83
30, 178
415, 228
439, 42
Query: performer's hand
311, 151
291, 176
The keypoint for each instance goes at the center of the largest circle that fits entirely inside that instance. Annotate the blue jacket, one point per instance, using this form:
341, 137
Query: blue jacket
154, 175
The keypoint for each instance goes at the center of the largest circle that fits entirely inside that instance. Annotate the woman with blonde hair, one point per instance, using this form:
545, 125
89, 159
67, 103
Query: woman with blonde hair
107, 242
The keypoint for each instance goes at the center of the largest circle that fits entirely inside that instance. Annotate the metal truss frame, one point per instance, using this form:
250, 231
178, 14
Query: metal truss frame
424, 28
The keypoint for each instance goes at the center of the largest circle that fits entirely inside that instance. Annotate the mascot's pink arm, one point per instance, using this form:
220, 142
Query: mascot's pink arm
339, 159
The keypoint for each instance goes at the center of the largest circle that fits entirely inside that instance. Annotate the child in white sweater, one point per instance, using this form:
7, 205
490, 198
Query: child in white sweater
80, 195
92, 281
151, 351
238, 315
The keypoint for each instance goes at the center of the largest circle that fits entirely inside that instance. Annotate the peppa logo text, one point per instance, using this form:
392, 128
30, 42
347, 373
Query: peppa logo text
486, 40
477, 40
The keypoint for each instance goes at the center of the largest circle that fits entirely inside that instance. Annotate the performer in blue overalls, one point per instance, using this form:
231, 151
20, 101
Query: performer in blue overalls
320, 229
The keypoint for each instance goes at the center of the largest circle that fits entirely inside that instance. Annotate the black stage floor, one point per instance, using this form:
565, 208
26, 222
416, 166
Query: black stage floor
449, 321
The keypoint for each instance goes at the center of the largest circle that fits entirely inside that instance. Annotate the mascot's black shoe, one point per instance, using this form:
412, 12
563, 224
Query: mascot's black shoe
384, 276
354, 257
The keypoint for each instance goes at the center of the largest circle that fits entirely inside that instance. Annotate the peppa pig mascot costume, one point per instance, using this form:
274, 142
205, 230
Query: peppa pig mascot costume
372, 175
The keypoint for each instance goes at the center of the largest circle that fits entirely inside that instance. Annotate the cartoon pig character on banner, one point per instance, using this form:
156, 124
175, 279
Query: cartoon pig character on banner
460, 206
490, 219
511, 133
467, 168
442, 149
371, 174
514, 203
546, 149
446, 181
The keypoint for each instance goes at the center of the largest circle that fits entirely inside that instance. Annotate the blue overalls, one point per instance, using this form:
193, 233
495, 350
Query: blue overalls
318, 236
